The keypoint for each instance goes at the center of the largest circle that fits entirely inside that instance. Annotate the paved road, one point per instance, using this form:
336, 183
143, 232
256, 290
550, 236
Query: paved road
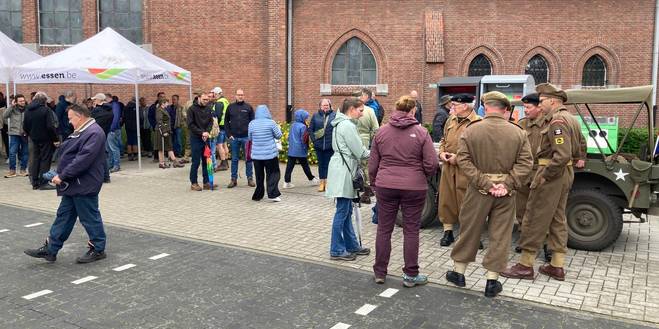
201, 285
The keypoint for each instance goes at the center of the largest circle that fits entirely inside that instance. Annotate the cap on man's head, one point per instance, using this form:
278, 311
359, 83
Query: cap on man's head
496, 97
99, 97
444, 100
532, 98
217, 90
549, 90
462, 98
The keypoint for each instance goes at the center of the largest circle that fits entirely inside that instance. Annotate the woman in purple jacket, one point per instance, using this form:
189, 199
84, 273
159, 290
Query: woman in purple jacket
402, 157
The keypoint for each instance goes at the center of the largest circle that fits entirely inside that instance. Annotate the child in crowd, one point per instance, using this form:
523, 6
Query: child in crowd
298, 148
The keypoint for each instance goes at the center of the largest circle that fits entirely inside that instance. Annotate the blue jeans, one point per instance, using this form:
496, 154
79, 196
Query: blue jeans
177, 134
323, 162
213, 145
344, 239
70, 208
18, 146
197, 149
236, 144
114, 148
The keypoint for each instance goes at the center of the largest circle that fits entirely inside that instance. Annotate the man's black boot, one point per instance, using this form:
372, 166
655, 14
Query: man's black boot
41, 253
91, 255
456, 278
447, 239
493, 288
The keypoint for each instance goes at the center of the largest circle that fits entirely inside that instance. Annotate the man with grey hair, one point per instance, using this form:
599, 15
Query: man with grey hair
39, 126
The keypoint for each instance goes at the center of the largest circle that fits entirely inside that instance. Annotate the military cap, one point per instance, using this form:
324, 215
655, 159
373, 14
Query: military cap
444, 100
496, 96
462, 98
549, 90
532, 98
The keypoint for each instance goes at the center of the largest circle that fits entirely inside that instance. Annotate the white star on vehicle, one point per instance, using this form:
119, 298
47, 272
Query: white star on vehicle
620, 175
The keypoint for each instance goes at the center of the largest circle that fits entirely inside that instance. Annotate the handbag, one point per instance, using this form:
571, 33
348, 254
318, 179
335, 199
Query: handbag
321, 132
358, 178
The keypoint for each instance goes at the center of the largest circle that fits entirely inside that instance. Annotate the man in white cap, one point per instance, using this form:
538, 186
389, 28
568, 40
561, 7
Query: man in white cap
220, 107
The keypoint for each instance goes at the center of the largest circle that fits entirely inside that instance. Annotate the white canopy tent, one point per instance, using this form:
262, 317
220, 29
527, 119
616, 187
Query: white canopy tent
105, 58
12, 55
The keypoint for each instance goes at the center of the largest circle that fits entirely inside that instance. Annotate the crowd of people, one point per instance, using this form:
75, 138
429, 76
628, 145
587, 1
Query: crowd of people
494, 172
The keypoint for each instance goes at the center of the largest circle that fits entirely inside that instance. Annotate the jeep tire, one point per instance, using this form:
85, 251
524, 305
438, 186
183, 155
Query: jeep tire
594, 220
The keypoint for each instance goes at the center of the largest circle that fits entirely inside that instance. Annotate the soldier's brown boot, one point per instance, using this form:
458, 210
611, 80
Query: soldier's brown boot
519, 271
554, 272
232, 184
195, 187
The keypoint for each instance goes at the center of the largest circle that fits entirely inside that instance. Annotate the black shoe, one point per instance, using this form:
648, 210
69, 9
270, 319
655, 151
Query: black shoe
518, 249
480, 245
447, 239
493, 288
548, 254
362, 252
91, 256
456, 278
47, 187
41, 253
107, 180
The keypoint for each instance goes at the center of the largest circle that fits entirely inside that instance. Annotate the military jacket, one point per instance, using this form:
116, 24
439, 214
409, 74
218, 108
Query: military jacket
452, 131
559, 143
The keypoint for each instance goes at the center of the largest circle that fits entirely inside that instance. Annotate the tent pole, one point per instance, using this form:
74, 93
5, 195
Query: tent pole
7, 94
137, 115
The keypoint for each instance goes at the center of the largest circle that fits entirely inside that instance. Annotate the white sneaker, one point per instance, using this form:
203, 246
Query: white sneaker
288, 185
277, 199
315, 181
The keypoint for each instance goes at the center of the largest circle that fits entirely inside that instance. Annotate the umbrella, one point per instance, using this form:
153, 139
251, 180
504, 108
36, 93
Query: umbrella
358, 221
209, 164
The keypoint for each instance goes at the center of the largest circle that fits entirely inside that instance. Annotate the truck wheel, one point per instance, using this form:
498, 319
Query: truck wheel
594, 220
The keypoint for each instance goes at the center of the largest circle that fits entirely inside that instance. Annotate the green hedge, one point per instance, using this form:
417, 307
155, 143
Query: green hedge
637, 138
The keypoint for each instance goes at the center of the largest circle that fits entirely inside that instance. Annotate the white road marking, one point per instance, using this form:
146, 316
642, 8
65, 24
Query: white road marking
123, 267
37, 294
85, 279
4, 230
388, 293
163, 255
341, 325
32, 225
364, 310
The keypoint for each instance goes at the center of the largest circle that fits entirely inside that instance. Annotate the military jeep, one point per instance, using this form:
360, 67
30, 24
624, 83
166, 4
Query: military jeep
611, 184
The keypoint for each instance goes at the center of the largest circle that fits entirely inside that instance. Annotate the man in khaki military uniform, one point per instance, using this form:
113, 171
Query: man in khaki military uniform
545, 210
495, 156
453, 183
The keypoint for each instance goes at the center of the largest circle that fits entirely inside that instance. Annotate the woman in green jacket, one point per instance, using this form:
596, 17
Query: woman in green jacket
348, 152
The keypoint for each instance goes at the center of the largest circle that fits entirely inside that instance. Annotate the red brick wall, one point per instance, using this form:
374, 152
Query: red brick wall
243, 43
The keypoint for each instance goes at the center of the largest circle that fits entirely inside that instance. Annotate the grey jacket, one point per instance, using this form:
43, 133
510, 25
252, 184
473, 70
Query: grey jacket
13, 117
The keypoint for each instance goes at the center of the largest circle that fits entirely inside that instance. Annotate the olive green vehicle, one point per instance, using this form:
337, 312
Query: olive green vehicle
611, 184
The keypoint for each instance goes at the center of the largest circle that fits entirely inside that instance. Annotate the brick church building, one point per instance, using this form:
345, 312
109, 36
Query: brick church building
335, 47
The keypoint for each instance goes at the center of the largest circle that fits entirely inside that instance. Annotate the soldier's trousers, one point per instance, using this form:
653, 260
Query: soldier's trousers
452, 188
499, 213
545, 213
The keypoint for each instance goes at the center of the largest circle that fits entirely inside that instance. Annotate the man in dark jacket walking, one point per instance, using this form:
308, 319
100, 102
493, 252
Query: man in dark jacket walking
238, 116
39, 126
200, 123
64, 128
103, 115
79, 180
440, 118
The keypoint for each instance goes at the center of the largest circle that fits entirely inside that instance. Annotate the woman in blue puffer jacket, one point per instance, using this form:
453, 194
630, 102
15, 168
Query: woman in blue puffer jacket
262, 133
298, 148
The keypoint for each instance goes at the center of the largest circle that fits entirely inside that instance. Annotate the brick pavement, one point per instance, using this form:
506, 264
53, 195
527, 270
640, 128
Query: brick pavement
621, 281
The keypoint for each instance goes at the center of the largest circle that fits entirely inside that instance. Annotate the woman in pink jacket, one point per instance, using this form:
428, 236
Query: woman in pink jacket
402, 157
